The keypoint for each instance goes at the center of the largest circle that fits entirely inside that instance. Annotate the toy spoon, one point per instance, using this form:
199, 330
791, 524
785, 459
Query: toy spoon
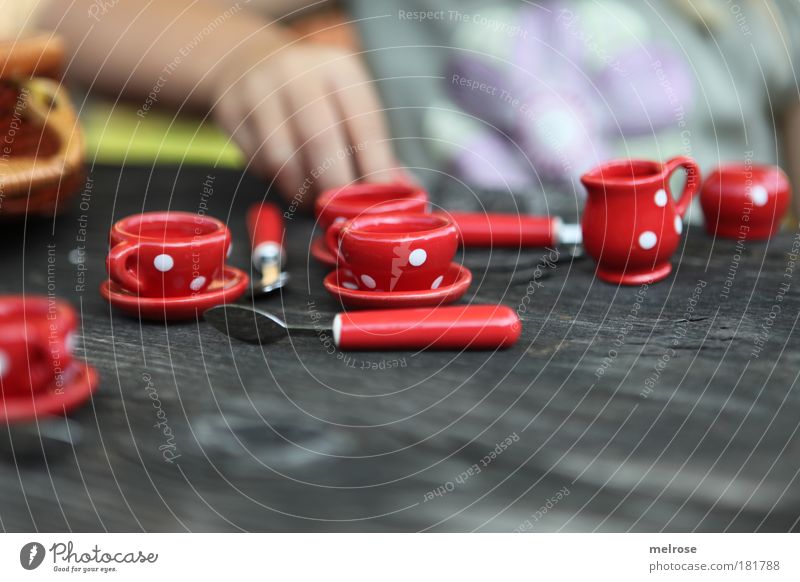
474, 327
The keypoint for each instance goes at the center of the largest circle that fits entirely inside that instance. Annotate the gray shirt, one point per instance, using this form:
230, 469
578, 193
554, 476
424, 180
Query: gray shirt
739, 62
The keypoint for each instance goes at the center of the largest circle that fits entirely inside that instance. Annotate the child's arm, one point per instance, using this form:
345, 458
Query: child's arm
306, 114
792, 147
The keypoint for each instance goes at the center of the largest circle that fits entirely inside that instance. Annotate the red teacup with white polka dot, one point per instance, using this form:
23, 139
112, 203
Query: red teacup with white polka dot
745, 201
167, 254
631, 223
395, 252
37, 338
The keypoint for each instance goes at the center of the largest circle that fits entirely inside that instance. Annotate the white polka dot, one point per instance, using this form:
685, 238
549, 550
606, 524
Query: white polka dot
417, 257
678, 225
339, 219
163, 263
437, 282
5, 364
336, 328
648, 239
759, 195
349, 285
661, 198
197, 283
368, 281
70, 342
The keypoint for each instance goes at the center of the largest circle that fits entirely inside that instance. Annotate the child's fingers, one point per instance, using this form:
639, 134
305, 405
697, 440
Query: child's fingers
321, 135
231, 114
366, 124
373, 151
278, 153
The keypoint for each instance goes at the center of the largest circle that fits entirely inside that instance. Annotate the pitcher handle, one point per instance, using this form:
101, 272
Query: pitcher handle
692, 181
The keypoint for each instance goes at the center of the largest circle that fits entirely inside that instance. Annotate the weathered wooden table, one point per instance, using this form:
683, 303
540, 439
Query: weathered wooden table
669, 407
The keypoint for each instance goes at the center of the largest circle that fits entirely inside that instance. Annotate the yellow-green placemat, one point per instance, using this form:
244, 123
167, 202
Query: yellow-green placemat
116, 134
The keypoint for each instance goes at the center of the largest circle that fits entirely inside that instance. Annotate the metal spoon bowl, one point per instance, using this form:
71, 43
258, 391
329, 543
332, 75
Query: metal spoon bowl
251, 325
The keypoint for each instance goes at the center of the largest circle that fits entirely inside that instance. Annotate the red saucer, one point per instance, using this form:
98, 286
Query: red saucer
456, 281
319, 250
231, 287
79, 382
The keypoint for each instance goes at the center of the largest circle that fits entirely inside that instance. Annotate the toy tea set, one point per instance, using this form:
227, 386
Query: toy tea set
171, 265
388, 253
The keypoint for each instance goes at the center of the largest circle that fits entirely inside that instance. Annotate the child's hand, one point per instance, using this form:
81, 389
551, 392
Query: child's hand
305, 114
308, 116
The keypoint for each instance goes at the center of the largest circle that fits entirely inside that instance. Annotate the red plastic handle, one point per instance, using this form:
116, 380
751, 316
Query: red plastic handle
265, 226
481, 229
474, 327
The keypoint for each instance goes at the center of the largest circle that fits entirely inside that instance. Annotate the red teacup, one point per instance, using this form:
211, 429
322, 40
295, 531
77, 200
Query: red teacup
37, 337
631, 223
395, 252
742, 201
167, 254
351, 201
